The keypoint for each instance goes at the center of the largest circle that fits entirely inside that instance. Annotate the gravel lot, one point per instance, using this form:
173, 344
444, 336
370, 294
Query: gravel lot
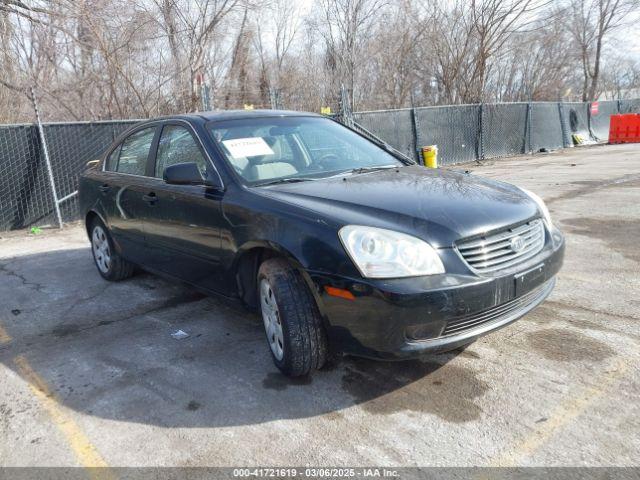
89, 374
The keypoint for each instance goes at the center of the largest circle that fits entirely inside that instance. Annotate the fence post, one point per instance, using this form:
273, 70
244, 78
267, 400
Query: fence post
589, 129
563, 127
527, 134
415, 128
47, 160
480, 148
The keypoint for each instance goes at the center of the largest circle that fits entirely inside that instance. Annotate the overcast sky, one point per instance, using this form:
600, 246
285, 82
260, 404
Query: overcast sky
628, 38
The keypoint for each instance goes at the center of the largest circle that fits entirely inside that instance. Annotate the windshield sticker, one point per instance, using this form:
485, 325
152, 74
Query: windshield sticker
247, 147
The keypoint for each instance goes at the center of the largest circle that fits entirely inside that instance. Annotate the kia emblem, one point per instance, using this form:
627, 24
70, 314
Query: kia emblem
517, 244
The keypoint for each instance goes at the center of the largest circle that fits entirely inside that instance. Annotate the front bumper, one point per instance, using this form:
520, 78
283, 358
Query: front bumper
404, 318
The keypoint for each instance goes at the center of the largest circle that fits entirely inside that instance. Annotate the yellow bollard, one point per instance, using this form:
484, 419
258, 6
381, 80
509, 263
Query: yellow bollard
430, 156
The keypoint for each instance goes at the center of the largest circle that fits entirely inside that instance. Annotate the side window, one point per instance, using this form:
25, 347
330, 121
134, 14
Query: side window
134, 152
112, 160
177, 145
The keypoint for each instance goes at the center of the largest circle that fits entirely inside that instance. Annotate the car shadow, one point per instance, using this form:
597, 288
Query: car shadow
106, 349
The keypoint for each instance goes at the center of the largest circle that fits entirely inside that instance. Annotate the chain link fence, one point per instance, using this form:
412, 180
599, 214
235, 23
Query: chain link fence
393, 126
457, 144
629, 106
26, 197
25, 194
462, 132
504, 128
545, 127
466, 133
575, 121
599, 117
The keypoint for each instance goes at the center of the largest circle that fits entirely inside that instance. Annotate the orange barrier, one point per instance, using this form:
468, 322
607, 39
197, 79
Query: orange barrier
625, 128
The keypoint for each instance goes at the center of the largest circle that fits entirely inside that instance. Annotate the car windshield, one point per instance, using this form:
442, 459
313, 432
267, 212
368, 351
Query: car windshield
271, 149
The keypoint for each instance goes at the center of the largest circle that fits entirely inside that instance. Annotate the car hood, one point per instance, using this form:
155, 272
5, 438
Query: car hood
437, 205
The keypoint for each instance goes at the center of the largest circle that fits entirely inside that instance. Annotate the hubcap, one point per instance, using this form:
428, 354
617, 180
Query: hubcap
271, 319
101, 250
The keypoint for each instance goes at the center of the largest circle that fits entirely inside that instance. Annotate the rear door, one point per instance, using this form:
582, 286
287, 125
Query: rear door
183, 227
124, 188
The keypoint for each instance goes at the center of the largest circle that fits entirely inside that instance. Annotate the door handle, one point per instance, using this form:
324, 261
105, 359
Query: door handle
151, 198
104, 188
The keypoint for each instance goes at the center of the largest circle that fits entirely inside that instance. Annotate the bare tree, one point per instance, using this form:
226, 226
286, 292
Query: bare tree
620, 78
467, 43
388, 75
237, 79
590, 22
93, 59
494, 23
346, 27
533, 65
275, 27
190, 27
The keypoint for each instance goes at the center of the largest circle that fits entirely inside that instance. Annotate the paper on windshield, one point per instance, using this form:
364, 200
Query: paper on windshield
247, 147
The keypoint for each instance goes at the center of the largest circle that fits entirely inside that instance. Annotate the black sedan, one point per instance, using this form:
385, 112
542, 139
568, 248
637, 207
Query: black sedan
343, 244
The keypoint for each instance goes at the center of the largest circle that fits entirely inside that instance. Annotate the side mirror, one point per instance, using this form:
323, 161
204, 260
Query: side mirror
186, 174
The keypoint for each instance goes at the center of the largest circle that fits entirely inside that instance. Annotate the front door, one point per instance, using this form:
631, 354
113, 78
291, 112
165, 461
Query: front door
183, 226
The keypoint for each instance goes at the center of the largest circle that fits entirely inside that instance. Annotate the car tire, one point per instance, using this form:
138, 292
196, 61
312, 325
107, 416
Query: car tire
292, 321
109, 263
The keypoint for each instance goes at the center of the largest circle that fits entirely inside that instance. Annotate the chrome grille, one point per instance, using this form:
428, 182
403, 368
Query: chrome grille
503, 249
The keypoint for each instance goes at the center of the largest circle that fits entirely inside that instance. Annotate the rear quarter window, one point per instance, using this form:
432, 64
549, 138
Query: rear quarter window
134, 152
112, 160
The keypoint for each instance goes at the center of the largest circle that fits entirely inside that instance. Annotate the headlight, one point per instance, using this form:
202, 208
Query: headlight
380, 253
543, 208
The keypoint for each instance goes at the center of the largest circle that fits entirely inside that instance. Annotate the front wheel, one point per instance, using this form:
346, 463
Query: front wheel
109, 263
292, 321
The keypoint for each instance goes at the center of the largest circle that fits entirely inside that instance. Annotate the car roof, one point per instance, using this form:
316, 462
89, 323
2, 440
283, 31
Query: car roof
239, 114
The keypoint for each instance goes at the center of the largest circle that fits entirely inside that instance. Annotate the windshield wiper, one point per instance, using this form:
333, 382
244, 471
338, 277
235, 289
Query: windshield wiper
286, 180
372, 169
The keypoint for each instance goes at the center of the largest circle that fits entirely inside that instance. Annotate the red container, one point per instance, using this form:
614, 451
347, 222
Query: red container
624, 128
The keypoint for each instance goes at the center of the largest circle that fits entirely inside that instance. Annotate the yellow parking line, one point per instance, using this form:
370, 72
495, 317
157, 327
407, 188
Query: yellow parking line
563, 415
4, 336
84, 450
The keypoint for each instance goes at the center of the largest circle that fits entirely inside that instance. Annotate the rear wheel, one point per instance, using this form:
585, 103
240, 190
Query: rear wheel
109, 263
291, 318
